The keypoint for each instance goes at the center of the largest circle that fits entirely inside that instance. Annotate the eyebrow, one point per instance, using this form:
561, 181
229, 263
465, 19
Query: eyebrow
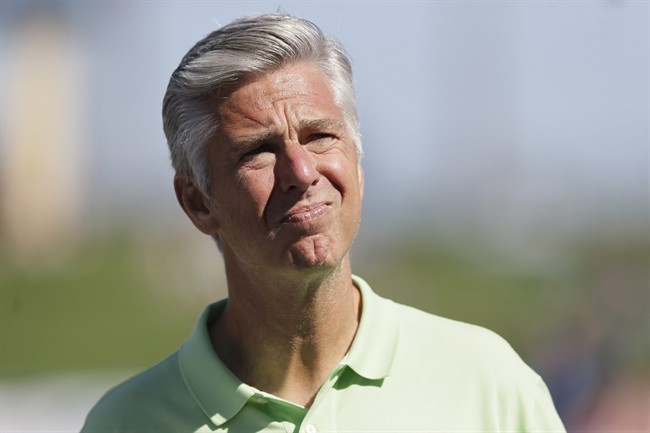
322, 124
253, 139
315, 124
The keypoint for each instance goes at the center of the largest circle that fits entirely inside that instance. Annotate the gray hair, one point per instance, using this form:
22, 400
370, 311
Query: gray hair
244, 48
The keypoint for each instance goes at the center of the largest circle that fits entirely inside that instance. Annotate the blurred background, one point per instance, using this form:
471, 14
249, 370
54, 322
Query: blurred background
507, 167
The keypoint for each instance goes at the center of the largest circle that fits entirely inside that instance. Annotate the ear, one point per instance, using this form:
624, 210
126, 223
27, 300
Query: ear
196, 205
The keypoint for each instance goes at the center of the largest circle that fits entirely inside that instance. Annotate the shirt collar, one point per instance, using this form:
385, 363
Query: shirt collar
220, 394
373, 349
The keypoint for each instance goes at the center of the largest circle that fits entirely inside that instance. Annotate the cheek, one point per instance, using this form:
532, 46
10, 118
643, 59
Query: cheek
237, 196
343, 175
253, 189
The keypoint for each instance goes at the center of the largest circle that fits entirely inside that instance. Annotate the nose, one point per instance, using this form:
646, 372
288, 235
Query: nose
295, 168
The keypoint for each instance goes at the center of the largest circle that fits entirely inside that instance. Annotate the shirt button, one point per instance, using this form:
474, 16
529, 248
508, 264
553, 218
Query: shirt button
311, 428
259, 399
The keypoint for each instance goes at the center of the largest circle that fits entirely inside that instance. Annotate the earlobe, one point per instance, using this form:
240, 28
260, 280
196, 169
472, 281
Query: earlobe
196, 205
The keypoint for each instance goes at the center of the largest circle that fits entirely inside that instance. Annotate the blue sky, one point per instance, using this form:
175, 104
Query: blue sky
514, 113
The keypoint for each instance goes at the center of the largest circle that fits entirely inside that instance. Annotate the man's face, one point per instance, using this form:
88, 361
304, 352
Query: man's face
285, 174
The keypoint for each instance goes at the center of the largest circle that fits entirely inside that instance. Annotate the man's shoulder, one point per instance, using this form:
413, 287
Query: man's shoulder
470, 371
451, 341
440, 327
466, 359
132, 404
432, 338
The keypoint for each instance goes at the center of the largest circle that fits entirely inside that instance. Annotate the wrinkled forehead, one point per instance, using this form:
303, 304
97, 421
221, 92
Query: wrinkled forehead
302, 90
289, 76
295, 81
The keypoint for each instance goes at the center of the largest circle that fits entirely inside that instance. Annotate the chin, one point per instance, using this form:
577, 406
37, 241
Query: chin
314, 252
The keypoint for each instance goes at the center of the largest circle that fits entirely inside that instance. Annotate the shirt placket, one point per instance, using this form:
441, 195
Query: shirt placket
321, 417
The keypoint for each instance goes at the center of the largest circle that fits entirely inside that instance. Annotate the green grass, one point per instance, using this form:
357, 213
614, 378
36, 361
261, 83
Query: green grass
100, 309
96, 312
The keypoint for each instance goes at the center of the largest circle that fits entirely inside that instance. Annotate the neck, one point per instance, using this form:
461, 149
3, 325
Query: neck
284, 336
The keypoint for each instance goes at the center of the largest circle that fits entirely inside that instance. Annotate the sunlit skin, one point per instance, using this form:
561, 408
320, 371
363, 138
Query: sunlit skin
287, 189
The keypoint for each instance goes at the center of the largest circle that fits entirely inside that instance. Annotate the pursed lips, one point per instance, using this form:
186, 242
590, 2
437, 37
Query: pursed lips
306, 213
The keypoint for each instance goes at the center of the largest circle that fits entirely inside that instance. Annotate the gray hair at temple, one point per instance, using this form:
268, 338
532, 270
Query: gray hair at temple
223, 59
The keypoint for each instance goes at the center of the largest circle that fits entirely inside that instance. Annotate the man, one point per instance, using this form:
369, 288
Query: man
261, 121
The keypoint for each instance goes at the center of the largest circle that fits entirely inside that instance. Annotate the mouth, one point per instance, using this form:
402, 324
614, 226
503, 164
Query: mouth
306, 213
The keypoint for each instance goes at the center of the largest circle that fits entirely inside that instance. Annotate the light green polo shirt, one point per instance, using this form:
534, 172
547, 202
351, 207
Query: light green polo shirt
406, 371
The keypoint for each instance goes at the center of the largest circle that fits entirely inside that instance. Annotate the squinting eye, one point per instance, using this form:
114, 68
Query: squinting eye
323, 136
256, 151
